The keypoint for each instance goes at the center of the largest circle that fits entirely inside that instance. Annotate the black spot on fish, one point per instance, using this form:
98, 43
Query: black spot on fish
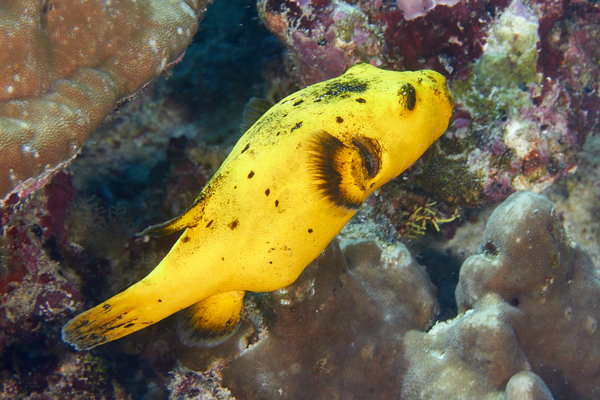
267, 192
222, 258
159, 300
298, 103
246, 148
210, 223
298, 125
276, 203
113, 328
270, 262
106, 306
370, 151
234, 224
185, 239
339, 120
310, 231
129, 325
361, 100
318, 100
251, 174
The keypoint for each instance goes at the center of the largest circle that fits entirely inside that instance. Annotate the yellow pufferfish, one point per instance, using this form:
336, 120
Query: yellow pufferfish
290, 184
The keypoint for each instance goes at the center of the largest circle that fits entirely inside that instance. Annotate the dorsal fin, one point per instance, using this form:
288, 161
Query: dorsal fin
188, 219
166, 228
254, 109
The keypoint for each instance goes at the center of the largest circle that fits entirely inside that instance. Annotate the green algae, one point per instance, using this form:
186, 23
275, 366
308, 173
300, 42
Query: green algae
500, 82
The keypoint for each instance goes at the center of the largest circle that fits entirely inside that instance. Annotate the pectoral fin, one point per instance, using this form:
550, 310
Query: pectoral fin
211, 321
342, 171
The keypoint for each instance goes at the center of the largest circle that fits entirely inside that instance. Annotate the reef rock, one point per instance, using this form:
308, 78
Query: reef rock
335, 332
526, 322
530, 265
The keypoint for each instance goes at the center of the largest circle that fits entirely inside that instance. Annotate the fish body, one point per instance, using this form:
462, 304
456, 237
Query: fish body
288, 187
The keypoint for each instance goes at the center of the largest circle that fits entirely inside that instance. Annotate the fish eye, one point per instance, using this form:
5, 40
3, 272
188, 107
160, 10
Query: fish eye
408, 96
411, 96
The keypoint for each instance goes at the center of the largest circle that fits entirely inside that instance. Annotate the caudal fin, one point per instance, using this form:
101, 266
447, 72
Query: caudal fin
121, 315
211, 321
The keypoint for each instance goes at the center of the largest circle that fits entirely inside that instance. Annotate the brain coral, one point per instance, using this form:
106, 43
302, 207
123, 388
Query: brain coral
67, 64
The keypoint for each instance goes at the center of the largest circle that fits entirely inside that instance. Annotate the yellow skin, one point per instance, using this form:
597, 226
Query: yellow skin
288, 187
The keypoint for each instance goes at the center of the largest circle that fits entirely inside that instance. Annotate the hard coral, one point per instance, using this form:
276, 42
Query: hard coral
525, 325
530, 267
67, 64
334, 332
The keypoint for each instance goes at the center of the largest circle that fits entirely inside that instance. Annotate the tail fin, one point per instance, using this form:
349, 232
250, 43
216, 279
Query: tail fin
125, 313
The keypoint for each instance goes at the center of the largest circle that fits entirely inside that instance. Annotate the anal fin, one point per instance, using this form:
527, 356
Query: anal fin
211, 321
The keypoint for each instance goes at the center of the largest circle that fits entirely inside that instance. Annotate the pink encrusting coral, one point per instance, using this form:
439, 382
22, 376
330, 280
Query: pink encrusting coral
67, 64
418, 8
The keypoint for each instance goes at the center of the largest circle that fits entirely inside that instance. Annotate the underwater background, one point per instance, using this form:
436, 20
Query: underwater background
428, 293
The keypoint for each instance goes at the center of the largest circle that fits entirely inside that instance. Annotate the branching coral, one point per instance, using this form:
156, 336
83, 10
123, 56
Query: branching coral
67, 64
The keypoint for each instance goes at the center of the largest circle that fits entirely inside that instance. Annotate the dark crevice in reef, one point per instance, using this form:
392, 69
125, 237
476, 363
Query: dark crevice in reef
443, 270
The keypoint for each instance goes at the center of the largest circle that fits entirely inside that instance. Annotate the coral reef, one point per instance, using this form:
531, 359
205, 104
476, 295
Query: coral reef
524, 73
528, 269
66, 65
530, 265
345, 309
524, 303
516, 328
